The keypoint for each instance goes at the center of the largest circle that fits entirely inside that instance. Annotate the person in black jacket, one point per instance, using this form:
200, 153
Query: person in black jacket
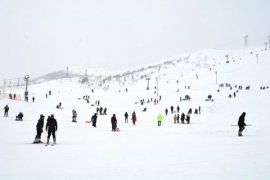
6, 108
39, 127
51, 127
126, 117
114, 123
183, 118
94, 120
241, 123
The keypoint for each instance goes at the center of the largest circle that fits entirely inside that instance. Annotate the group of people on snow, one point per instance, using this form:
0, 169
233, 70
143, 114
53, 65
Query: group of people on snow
51, 128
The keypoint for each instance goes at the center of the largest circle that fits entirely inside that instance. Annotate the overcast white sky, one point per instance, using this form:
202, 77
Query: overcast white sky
41, 36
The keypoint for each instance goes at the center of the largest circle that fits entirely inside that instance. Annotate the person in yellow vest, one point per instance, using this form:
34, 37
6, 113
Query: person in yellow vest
159, 118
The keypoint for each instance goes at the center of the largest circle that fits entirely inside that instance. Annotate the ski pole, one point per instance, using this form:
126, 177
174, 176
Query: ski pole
245, 125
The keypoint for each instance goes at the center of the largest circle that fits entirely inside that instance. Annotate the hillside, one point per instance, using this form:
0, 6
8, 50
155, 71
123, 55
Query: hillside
207, 148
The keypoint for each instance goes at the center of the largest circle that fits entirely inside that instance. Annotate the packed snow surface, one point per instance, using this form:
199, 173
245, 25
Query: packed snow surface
207, 148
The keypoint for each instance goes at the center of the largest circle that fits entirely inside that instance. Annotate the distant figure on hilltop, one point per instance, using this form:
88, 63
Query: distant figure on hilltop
241, 123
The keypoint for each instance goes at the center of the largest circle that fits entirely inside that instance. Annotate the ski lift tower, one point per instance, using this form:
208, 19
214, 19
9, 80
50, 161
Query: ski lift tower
148, 79
26, 78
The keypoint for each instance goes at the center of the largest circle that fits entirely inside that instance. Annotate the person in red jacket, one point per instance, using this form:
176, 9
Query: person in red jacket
134, 118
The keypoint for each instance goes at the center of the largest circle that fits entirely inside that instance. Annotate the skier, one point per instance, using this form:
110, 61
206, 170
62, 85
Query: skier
6, 109
39, 127
51, 128
134, 118
114, 123
199, 109
182, 118
126, 117
74, 115
166, 111
241, 123
33, 99
159, 118
97, 110
190, 111
94, 120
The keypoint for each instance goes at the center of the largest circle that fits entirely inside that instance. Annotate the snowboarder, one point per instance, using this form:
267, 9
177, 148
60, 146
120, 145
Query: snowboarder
94, 120
6, 109
114, 123
182, 118
51, 128
134, 118
159, 119
166, 111
39, 128
74, 115
126, 117
241, 123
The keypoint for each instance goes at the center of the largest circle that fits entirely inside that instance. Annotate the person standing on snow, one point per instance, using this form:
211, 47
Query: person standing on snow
166, 111
74, 115
39, 128
114, 123
174, 118
51, 128
134, 118
6, 109
126, 117
183, 118
94, 120
241, 123
188, 118
159, 118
